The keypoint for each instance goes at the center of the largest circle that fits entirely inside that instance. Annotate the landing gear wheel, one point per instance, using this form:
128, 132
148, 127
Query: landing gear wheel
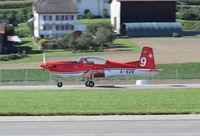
87, 83
91, 84
60, 84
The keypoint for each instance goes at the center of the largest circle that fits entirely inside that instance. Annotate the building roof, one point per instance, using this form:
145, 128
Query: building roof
56, 6
2, 28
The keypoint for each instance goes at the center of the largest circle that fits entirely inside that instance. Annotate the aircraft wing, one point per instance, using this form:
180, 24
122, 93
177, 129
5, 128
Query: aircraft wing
91, 73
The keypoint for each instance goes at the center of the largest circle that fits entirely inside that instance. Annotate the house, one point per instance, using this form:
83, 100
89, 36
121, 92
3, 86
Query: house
2, 36
54, 18
96, 7
150, 12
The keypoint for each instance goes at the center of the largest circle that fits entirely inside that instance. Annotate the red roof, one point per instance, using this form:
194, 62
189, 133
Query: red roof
2, 28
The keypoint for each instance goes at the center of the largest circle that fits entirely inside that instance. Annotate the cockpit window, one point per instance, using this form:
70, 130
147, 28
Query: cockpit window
91, 60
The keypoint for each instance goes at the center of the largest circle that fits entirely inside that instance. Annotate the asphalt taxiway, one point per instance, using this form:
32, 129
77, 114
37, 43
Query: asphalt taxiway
159, 125
69, 87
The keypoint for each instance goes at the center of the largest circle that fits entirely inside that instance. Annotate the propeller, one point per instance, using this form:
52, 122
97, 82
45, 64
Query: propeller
44, 59
44, 62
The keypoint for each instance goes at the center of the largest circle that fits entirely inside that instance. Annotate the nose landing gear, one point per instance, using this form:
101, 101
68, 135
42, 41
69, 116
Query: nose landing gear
59, 84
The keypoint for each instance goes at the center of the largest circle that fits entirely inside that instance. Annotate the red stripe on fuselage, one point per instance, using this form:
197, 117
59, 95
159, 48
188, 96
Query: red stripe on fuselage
83, 67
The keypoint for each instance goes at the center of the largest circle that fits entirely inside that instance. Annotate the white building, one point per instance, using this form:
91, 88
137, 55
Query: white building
54, 18
96, 7
115, 11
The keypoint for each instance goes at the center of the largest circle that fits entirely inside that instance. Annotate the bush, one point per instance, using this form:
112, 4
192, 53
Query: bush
190, 14
14, 5
86, 11
191, 2
12, 57
10, 30
89, 15
105, 13
97, 35
22, 33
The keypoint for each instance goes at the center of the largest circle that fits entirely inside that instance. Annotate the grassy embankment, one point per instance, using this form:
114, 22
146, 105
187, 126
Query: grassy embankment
185, 71
99, 102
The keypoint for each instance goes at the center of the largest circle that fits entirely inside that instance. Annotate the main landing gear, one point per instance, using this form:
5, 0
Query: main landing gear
60, 84
89, 83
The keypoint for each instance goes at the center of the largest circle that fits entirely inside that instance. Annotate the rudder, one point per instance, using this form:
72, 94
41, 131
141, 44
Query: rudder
147, 58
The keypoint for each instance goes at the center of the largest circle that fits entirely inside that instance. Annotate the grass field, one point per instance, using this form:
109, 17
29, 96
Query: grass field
92, 102
90, 21
170, 71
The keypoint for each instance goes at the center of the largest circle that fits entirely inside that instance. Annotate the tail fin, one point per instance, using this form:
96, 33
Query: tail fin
146, 59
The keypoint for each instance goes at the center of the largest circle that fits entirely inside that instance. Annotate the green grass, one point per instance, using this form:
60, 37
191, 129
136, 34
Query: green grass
99, 102
124, 42
90, 21
185, 71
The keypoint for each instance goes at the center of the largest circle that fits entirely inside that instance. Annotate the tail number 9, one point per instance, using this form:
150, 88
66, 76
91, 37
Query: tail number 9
143, 62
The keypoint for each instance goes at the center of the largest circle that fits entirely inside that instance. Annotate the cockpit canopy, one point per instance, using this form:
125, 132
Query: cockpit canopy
92, 60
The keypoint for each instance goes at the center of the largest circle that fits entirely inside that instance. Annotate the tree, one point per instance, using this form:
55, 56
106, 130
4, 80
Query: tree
85, 41
103, 36
31, 28
92, 28
190, 14
9, 30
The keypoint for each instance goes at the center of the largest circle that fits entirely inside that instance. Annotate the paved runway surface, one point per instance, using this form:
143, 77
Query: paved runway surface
67, 87
171, 125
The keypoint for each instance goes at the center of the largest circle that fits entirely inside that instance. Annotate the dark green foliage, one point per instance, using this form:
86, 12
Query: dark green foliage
92, 28
31, 27
86, 11
86, 41
103, 36
12, 57
191, 2
11, 5
97, 35
89, 15
190, 14
105, 13
9, 30
16, 15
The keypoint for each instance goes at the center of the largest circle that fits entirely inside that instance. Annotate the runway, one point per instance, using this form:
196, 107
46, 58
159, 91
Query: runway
82, 87
159, 125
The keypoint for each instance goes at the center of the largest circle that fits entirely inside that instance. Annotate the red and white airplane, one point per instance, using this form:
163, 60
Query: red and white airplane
93, 67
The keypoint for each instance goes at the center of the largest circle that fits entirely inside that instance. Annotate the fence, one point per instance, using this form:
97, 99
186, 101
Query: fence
44, 77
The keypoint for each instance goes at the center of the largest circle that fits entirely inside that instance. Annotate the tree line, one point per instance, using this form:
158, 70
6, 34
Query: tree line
96, 37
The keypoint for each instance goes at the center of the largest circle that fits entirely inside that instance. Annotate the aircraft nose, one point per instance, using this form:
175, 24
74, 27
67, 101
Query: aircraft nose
42, 65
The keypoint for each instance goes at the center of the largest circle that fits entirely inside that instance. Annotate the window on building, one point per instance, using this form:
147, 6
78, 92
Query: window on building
47, 27
44, 17
63, 17
72, 17
66, 27
72, 27
56, 17
66, 17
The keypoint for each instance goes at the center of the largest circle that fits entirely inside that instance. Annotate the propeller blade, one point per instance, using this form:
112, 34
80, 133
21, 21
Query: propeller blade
44, 59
